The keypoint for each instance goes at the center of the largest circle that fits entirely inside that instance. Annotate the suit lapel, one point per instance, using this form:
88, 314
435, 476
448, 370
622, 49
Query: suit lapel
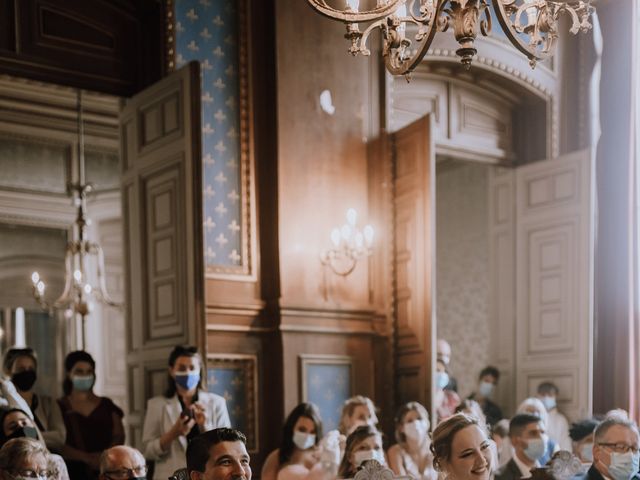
513, 466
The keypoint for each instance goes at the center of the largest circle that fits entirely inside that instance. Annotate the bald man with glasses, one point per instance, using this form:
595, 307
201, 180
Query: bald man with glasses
122, 463
616, 453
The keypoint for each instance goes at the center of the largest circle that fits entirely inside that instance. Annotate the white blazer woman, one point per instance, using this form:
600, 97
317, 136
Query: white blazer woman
185, 407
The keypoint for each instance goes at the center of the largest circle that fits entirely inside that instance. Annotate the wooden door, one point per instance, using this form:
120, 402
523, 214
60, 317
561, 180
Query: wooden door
414, 261
554, 279
162, 212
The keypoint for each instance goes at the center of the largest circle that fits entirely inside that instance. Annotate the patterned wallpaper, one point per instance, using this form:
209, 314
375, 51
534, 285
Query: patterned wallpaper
328, 386
207, 31
234, 380
462, 268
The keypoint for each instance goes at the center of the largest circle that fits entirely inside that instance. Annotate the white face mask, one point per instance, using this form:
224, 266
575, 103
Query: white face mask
549, 403
303, 440
416, 431
364, 455
485, 389
586, 452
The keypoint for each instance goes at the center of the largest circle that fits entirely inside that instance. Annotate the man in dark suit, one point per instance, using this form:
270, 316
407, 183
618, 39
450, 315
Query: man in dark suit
616, 455
529, 441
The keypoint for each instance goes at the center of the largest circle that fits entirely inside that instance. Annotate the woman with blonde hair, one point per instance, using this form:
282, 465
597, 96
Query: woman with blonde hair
461, 449
357, 411
411, 455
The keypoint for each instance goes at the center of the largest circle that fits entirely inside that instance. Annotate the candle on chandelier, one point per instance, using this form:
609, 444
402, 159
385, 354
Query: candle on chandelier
353, 5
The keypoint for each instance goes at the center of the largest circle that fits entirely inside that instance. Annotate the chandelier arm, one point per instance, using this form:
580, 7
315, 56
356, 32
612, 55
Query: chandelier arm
534, 55
408, 65
345, 271
65, 297
575, 20
349, 16
102, 284
365, 36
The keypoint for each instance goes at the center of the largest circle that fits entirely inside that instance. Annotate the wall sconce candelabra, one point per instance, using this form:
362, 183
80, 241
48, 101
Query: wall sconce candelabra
349, 245
530, 25
79, 293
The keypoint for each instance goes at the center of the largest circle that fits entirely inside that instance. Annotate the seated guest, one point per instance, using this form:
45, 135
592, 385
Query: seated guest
528, 438
557, 424
443, 352
218, 454
487, 381
534, 406
471, 407
446, 401
461, 449
122, 463
15, 423
93, 423
357, 411
298, 452
500, 436
364, 443
616, 455
411, 455
181, 414
24, 458
21, 365
581, 434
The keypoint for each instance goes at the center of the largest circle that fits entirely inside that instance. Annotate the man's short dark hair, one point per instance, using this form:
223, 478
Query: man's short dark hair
199, 448
602, 429
548, 388
493, 371
520, 421
582, 429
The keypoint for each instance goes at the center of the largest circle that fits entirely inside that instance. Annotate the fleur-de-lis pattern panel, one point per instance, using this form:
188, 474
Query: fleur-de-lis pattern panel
234, 379
328, 386
207, 31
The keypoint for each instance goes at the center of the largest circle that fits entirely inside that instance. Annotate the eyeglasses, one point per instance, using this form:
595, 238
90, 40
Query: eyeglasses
621, 447
43, 475
126, 473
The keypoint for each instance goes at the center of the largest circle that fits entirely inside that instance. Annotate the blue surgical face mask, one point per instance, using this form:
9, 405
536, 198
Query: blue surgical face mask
586, 452
624, 465
485, 389
187, 380
442, 380
83, 383
536, 448
549, 403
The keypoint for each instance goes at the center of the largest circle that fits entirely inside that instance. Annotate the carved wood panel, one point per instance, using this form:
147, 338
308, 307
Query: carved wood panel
414, 260
554, 277
107, 46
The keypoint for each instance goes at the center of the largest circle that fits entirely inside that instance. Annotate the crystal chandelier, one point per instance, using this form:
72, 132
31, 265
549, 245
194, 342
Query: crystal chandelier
530, 25
79, 294
349, 245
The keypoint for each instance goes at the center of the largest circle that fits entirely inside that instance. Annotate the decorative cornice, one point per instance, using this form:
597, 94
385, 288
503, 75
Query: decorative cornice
506, 70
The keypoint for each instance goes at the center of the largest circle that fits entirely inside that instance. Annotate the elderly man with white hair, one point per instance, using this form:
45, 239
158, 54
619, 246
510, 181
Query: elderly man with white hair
122, 463
616, 451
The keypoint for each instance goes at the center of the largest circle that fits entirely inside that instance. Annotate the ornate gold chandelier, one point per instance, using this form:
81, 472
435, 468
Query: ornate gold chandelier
530, 25
79, 292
